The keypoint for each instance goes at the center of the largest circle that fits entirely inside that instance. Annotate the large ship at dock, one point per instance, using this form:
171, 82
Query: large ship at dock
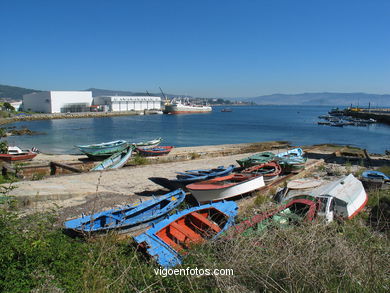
177, 106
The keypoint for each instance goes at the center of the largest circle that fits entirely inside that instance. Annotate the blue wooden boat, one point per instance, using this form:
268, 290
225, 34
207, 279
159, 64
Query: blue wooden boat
292, 160
375, 175
116, 161
104, 149
168, 239
192, 176
128, 216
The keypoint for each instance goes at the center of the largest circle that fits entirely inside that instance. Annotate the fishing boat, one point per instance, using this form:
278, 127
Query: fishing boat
168, 240
116, 161
375, 175
226, 110
256, 159
128, 216
292, 211
225, 187
270, 171
177, 106
184, 178
149, 143
104, 149
24, 156
292, 160
154, 151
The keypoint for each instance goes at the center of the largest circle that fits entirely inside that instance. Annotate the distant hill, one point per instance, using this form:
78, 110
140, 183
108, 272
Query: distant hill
103, 92
14, 92
326, 99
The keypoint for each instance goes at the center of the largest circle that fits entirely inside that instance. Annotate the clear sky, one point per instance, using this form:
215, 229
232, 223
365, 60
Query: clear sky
208, 48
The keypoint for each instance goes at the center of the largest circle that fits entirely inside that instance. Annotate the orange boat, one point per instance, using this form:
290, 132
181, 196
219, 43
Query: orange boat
27, 156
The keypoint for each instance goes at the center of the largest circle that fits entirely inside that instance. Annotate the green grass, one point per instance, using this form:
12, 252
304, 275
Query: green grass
342, 257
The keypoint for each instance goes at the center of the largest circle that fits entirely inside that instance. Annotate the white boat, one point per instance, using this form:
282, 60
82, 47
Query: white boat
180, 107
343, 198
225, 187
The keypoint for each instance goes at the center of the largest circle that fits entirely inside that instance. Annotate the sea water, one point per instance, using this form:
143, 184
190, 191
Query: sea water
296, 124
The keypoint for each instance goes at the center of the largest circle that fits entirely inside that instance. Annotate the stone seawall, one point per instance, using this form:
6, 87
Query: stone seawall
69, 116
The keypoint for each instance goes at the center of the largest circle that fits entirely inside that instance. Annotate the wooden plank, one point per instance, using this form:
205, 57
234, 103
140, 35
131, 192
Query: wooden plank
53, 165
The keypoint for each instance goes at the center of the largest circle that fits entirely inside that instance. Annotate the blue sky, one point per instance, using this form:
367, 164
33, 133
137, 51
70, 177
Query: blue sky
201, 48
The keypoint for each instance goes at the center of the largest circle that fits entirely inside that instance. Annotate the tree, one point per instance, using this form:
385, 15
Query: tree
8, 107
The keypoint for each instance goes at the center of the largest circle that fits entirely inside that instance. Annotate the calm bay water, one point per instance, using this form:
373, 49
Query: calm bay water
296, 124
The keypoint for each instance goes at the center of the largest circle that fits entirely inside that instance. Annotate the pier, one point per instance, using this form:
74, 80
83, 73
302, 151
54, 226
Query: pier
380, 114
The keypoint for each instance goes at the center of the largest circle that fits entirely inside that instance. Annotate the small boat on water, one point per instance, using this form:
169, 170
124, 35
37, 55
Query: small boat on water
128, 216
116, 161
154, 151
256, 159
168, 240
225, 187
270, 171
148, 143
104, 149
191, 176
226, 110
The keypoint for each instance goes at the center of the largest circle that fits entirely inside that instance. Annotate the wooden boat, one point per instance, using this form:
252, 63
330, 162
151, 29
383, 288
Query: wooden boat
116, 161
292, 160
104, 149
149, 143
168, 240
191, 176
343, 198
375, 175
24, 156
154, 151
270, 171
128, 216
256, 159
225, 187
291, 211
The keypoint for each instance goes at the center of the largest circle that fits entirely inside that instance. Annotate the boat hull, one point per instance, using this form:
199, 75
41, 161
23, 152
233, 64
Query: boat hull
183, 109
116, 161
215, 190
18, 157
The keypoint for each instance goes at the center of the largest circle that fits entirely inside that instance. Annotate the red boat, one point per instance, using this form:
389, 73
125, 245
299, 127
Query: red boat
28, 156
270, 170
154, 151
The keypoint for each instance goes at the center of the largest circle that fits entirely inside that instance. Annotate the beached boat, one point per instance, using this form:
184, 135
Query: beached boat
375, 175
168, 240
256, 159
154, 151
116, 161
292, 160
270, 171
225, 187
292, 211
148, 143
23, 156
128, 216
104, 149
343, 198
191, 176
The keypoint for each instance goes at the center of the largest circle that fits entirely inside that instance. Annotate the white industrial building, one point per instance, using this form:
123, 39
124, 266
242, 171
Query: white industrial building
128, 103
58, 101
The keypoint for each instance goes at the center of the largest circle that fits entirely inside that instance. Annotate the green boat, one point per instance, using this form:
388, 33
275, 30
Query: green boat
105, 149
260, 158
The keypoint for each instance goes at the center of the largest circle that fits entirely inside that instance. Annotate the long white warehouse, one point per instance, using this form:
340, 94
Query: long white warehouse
58, 101
128, 103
